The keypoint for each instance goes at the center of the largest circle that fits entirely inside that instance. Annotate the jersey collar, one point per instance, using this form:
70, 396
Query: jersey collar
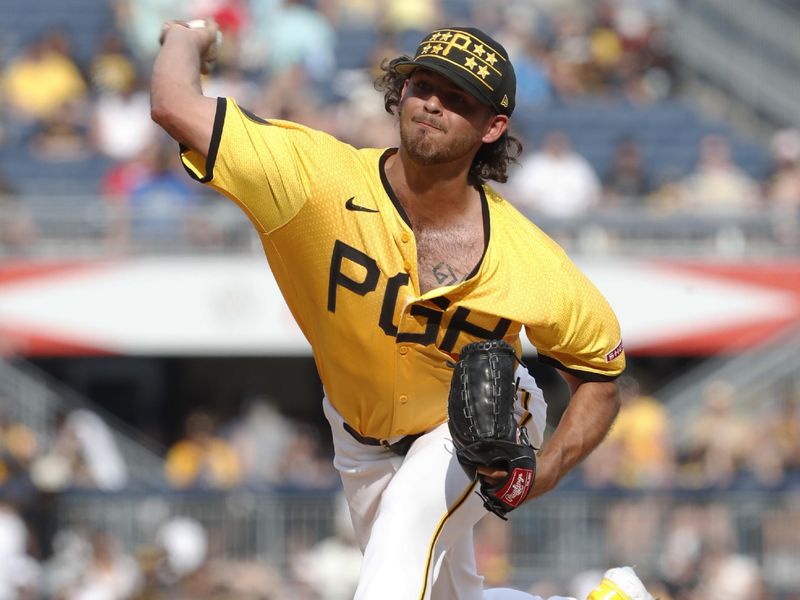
402, 212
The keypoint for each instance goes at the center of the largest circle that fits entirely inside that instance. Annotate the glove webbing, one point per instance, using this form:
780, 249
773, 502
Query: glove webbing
465, 390
487, 504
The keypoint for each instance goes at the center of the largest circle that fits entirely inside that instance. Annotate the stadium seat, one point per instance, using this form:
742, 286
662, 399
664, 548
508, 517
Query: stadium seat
86, 21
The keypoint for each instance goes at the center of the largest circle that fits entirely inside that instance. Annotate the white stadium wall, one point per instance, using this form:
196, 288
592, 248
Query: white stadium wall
232, 306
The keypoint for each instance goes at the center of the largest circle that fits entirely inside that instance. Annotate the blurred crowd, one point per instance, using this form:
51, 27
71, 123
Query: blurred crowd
730, 442
300, 60
314, 62
557, 181
181, 560
683, 550
693, 545
258, 449
686, 551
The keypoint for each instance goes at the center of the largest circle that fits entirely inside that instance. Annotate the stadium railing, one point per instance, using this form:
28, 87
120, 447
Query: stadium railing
30, 397
556, 537
82, 227
756, 376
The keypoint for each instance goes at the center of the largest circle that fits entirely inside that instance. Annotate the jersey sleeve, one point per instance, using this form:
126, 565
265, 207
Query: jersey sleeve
267, 167
584, 336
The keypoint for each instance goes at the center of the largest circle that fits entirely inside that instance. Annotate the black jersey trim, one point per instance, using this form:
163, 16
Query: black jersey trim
486, 231
401, 211
584, 375
213, 146
253, 117
441, 301
388, 188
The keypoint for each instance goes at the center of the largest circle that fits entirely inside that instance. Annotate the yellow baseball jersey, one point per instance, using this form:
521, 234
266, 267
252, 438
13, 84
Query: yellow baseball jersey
343, 253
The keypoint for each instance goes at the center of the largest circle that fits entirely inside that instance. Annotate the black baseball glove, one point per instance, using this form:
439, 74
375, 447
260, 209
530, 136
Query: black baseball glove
483, 426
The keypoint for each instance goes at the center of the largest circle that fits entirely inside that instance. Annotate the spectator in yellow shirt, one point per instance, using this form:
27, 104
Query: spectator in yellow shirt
202, 459
43, 78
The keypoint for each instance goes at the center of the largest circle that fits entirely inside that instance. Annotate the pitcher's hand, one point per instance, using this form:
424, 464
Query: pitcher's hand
209, 42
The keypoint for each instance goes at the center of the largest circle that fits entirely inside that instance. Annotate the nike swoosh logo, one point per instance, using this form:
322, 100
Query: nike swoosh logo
350, 205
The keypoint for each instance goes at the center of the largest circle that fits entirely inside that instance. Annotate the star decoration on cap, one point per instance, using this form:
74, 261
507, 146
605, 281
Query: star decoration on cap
426, 49
445, 36
435, 37
478, 50
437, 48
491, 58
470, 63
483, 72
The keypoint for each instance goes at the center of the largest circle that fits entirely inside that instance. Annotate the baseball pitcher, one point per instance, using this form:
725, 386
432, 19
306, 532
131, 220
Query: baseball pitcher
413, 280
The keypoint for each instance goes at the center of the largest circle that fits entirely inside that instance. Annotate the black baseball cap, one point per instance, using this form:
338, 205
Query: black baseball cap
472, 60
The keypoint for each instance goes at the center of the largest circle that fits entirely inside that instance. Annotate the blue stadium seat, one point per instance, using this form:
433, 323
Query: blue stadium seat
354, 47
457, 11
30, 176
86, 21
668, 133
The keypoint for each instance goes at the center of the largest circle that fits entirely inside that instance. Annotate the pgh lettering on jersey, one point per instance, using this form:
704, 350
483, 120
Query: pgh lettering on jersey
343, 253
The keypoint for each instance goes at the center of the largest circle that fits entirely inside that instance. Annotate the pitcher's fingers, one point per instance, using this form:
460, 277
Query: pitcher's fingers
492, 475
167, 25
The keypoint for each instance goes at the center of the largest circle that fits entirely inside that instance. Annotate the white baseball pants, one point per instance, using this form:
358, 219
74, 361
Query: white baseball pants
413, 515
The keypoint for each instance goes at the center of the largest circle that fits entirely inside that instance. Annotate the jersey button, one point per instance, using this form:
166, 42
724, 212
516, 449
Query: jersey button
403, 350
403, 399
401, 432
407, 267
405, 237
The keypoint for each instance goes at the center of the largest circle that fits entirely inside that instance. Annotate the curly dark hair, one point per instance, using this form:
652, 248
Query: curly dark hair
491, 161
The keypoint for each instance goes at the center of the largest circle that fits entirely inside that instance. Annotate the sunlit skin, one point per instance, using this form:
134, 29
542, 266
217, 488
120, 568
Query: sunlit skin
441, 124
492, 475
442, 127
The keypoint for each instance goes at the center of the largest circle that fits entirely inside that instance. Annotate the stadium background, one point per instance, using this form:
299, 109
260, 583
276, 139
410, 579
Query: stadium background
160, 428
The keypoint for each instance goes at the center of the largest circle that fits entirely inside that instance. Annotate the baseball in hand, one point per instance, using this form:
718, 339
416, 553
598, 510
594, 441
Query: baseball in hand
214, 43
202, 23
210, 55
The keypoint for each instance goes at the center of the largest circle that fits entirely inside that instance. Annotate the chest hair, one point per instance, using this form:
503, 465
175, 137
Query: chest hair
446, 255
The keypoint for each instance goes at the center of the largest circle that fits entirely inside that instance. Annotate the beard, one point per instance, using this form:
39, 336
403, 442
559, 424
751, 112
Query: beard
428, 147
